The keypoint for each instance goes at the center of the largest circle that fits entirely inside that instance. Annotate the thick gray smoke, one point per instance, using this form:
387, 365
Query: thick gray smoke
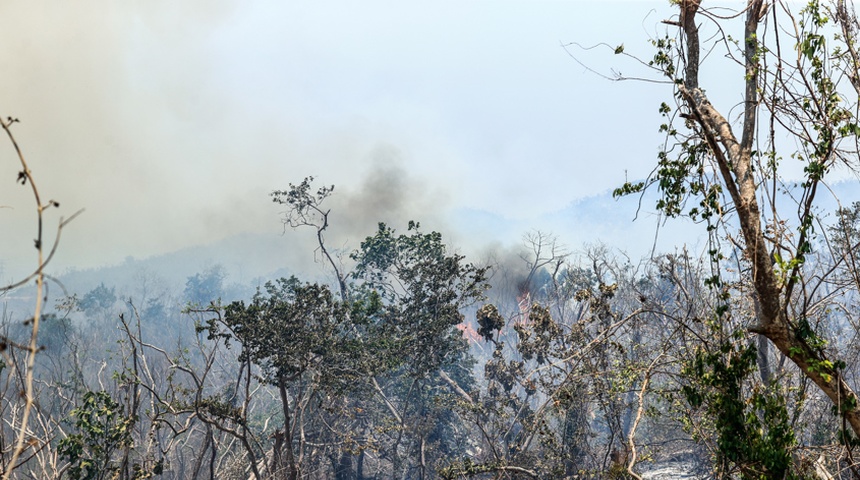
125, 112
386, 193
171, 122
100, 89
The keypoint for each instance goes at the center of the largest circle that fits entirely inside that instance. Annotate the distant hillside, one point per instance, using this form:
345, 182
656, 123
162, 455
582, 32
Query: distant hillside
250, 259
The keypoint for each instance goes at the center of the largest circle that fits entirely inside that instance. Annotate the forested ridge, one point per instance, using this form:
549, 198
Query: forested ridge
402, 358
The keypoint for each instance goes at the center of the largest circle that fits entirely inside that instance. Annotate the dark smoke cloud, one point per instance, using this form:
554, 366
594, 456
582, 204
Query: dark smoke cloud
387, 194
124, 112
159, 120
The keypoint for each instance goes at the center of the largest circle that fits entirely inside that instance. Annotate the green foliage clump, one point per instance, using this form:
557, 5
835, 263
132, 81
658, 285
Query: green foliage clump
421, 288
98, 299
288, 329
753, 430
99, 448
202, 288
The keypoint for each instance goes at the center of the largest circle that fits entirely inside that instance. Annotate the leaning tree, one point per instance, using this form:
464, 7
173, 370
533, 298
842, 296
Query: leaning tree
734, 167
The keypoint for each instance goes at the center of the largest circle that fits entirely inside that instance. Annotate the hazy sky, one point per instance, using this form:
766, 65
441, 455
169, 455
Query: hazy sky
171, 122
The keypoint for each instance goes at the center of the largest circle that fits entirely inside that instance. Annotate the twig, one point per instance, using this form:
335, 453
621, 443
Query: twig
24, 176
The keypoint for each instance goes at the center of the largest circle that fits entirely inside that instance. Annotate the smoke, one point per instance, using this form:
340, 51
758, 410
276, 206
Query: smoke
96, 87
387, 194
171, 122
144, 114
127, 111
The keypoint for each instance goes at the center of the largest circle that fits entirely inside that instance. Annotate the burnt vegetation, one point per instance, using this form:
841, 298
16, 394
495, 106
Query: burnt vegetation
410, 361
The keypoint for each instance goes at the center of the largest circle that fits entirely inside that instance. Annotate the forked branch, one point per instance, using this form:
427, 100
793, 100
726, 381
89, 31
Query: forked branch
26, 176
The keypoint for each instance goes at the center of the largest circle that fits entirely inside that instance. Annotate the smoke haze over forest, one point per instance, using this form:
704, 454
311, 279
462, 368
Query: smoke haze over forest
638, 252
170, 124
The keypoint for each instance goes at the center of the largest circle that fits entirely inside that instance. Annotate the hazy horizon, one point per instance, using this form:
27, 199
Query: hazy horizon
171, 123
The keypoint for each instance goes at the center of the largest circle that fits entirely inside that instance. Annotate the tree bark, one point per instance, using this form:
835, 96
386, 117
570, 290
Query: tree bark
734, 161
286, 441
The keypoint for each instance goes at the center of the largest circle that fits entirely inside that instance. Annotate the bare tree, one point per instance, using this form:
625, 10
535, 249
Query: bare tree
24, 367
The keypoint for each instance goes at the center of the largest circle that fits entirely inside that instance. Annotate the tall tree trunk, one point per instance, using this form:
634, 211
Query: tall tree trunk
290, 471
734, 160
